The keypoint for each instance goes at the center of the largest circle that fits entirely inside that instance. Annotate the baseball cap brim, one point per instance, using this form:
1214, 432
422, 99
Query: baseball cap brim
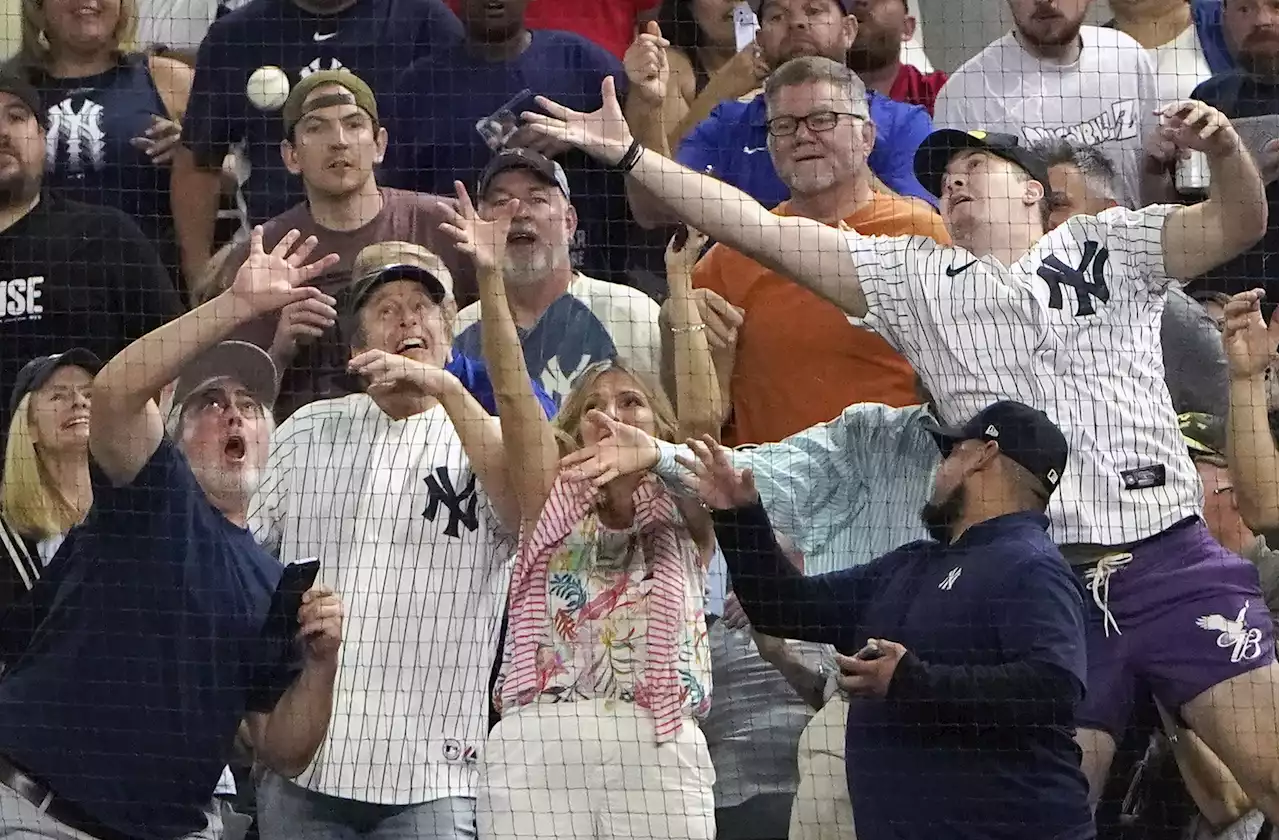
38, 372
547, 169
379, 276
937, 150
241, 361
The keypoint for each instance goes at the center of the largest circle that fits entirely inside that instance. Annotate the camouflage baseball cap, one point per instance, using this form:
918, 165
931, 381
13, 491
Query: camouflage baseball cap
1204, 434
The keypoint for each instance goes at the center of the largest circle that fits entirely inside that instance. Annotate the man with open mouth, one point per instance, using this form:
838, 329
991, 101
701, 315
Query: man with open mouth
160, 625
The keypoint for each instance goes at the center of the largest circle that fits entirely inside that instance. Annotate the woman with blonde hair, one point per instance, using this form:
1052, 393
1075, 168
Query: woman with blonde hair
113, 114
606, 665
45, 490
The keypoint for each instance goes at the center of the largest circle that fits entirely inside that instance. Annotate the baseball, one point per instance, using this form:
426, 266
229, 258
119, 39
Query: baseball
268, 88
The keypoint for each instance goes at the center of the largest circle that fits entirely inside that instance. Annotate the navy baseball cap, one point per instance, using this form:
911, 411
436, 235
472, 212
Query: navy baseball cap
941, 146
508, 159
1024, 434
17, 86
36, 373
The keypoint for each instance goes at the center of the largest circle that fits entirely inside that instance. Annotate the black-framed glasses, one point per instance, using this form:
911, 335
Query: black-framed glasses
816, 122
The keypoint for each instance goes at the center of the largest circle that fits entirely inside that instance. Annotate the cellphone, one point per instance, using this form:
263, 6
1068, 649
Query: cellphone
282, 617
869, 653
745, 25
500, 126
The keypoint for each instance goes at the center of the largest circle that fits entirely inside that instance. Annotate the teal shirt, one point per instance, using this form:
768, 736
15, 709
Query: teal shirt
845, 491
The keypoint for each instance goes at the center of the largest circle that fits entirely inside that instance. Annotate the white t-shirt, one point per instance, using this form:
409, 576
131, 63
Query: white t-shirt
1106, 98
592, 321
1180, 66
1073, 329
405, 536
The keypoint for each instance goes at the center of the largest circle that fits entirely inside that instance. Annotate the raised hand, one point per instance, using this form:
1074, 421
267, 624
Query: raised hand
647, 67
1251, 347
621, 450
1199, 127
603, 134
683, 253
484, 240
385, 372
715, 480
267, 282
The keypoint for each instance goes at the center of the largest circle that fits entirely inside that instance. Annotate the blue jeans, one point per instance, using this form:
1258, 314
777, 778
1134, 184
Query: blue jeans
289, 812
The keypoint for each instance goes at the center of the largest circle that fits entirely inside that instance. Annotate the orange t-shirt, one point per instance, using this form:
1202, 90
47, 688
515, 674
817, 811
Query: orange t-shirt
799, 361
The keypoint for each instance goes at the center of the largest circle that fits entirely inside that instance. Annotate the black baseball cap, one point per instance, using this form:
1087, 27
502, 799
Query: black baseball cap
36, 373
17, 86
1024, 434
549, 170
941, 146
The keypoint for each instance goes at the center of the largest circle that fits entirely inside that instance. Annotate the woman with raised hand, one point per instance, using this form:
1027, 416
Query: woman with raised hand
606, 667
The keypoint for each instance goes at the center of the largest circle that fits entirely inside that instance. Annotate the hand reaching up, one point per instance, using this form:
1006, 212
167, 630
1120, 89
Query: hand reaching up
1251, 346
484, 240
603, 134
647, 67
621, 450
267, 282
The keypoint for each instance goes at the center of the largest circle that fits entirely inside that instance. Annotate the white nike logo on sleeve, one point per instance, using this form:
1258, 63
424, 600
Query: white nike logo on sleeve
324, 37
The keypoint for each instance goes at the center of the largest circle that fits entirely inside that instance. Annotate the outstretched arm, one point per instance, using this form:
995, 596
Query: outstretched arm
532, 455
1251, 451
779, 600
810, 253
126, 426
698, 397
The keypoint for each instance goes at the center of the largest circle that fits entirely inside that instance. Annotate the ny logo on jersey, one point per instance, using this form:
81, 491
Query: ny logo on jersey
1058, 274
75, 135
461, 505
318, 64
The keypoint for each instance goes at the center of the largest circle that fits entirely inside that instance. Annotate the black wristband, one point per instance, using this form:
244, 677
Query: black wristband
631, 158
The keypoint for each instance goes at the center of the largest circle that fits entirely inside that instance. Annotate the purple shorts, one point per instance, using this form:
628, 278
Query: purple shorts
1190, 615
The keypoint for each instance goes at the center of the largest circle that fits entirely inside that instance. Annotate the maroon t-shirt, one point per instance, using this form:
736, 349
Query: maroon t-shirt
318, 370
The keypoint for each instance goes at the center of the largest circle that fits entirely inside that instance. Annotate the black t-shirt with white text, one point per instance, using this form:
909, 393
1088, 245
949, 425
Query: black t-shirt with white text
76, 275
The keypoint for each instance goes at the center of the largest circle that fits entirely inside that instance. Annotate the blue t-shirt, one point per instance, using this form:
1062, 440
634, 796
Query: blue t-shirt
474, 376
147, 650
432, 138
375, 39
732, 144
1000, 594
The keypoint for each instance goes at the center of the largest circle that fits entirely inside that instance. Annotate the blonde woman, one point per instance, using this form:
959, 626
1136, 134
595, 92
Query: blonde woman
113, 114
45, 490
606, 666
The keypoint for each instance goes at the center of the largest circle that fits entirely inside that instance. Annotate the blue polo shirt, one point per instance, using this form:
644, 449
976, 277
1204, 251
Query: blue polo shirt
375, 39
434, 106
974, 740
732, 144
147, 649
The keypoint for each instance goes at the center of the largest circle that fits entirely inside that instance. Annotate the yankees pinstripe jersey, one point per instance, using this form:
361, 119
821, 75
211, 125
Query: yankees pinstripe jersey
405, 536
1072, 328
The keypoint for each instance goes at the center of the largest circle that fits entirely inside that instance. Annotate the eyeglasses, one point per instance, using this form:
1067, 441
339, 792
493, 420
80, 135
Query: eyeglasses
816, 122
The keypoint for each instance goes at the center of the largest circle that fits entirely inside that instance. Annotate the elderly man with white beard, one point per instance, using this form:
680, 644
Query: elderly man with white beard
567, 320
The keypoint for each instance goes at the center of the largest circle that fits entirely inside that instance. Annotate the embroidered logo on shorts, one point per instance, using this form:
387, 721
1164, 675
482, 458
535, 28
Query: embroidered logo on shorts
1245, 641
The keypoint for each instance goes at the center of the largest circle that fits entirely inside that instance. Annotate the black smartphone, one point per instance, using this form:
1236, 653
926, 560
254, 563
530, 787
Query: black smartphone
297, 578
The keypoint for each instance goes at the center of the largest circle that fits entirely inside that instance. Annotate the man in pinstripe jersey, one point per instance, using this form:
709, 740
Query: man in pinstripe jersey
1067, 321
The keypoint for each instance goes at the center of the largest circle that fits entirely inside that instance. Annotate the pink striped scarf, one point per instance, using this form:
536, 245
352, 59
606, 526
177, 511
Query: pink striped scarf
668, 550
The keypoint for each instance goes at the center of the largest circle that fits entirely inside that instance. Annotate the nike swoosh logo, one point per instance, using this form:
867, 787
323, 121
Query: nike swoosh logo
953, 271
747, 150
326, 37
